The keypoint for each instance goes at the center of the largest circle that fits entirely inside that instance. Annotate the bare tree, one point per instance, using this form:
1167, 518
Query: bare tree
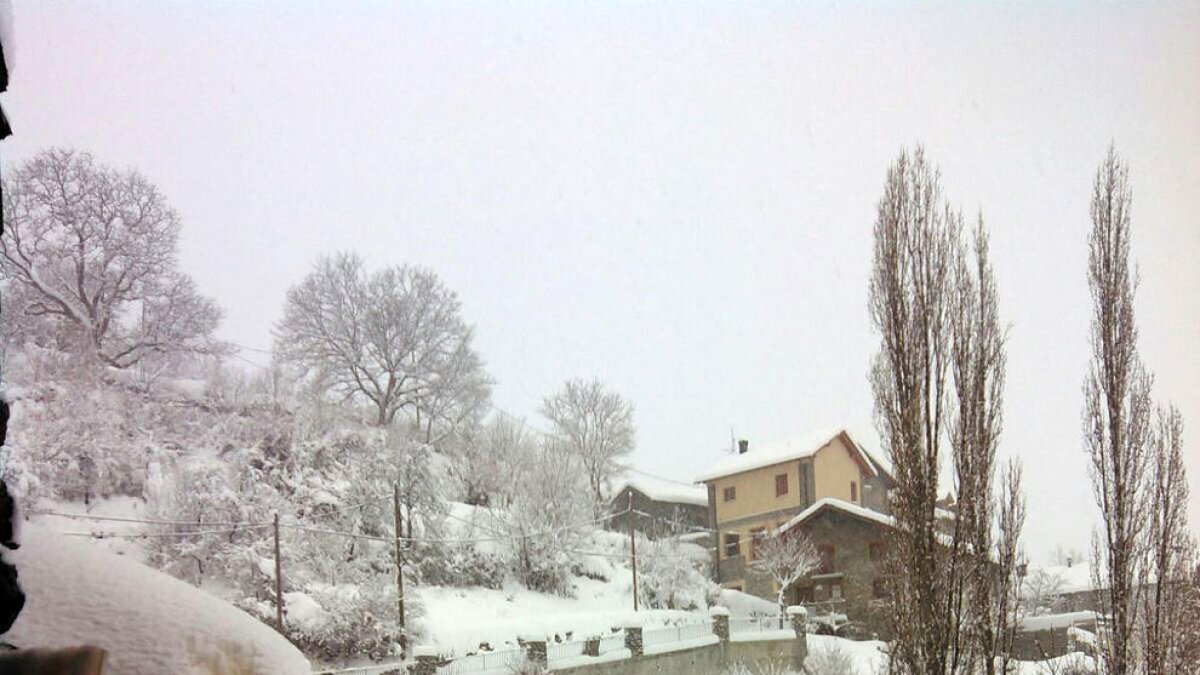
393, 337
93, 251
786, 558
1004, 614
916, 244
1116, 415
939, 376
595, 424
978, 361
1042, 589
1165, 581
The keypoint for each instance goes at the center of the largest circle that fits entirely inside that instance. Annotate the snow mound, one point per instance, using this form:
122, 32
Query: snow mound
150, 623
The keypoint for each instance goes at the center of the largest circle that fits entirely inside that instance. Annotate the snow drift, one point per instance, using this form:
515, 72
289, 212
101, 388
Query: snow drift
150, 623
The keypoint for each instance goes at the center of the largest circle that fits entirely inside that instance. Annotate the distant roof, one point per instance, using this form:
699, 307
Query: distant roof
844, 506
785, 450
663, 490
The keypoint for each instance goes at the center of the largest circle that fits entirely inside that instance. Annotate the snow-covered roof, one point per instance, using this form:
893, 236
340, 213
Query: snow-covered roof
1060, 579
788, 449
847, 507
663, 490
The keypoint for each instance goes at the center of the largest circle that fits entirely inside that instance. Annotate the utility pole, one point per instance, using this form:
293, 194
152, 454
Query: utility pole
278, 581
399, 569
633, 550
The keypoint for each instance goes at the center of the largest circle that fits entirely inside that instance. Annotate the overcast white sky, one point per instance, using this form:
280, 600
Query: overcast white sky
677, 198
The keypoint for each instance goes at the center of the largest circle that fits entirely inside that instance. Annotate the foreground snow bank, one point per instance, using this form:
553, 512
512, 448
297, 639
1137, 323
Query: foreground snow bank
150, 623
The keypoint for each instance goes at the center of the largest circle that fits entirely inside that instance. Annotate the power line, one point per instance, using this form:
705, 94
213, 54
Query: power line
145, 521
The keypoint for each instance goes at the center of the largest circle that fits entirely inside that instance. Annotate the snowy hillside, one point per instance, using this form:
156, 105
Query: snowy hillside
149, 622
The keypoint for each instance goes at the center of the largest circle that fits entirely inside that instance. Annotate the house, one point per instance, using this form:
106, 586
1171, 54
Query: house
661, 507
851, 582
759, 489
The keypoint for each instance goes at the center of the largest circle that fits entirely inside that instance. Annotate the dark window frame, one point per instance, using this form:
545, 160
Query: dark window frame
729, 494
827, 553
732, 542
781, 481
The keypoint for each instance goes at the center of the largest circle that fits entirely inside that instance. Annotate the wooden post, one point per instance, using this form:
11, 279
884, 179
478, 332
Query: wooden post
633, 551
278, 580
399, 568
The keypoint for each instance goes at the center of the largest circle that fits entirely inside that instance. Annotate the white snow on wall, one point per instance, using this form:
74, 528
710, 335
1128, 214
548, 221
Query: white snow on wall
150, 623
847, 507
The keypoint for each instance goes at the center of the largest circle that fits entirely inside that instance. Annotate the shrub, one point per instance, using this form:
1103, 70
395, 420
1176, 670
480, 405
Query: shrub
831, 660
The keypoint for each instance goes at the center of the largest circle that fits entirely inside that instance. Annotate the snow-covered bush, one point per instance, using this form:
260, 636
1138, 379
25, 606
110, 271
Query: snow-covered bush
458, 564
829, 660
339, 621
670, 576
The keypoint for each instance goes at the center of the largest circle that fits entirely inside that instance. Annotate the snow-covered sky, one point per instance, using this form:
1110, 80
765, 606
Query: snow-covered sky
675, 197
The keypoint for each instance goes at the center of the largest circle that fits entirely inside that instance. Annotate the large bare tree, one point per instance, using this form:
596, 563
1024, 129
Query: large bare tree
394, 338
938, 379
92, 251
594, 423
1116, 415
916, 244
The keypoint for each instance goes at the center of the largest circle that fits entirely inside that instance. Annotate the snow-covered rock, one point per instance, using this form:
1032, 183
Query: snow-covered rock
150, 623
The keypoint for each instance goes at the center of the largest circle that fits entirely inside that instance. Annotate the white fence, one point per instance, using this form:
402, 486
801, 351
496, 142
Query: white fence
482, 662
680, 633
559, 651
756, 623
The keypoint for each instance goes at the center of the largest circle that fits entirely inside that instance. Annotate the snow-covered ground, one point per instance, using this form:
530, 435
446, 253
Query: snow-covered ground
150, 624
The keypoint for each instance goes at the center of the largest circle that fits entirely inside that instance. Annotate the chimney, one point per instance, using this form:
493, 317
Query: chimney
743, 446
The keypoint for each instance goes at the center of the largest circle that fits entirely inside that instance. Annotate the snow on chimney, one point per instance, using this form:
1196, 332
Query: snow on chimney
743, 446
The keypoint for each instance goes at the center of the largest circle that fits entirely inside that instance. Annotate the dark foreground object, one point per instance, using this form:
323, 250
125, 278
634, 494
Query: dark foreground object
74, 661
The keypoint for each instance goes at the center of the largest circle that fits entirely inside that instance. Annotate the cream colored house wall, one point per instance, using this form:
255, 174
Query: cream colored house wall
756, 492
835, 468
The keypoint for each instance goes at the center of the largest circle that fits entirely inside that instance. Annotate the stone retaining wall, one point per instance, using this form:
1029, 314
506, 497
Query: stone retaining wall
789, 647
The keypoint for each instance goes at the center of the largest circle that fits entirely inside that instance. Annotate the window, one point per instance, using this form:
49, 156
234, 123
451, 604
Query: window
880, 589
757, 536
781, 485
733, 543
853, 491
729, 494
835, 591
826, 552
875, 550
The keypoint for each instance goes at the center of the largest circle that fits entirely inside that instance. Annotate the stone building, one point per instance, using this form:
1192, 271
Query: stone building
662, 507
759, 489
851, 581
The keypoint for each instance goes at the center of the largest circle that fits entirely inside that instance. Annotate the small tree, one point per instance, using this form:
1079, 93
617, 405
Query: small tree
595, 424
785, 558
93, 252
1166, 580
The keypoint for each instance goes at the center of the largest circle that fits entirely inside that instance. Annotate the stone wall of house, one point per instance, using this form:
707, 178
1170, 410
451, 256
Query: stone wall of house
854, 572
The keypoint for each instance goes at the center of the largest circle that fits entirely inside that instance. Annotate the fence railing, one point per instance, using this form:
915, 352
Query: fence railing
373, 669
755, 623
613, 642
680, 633
481, 662
558, 651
